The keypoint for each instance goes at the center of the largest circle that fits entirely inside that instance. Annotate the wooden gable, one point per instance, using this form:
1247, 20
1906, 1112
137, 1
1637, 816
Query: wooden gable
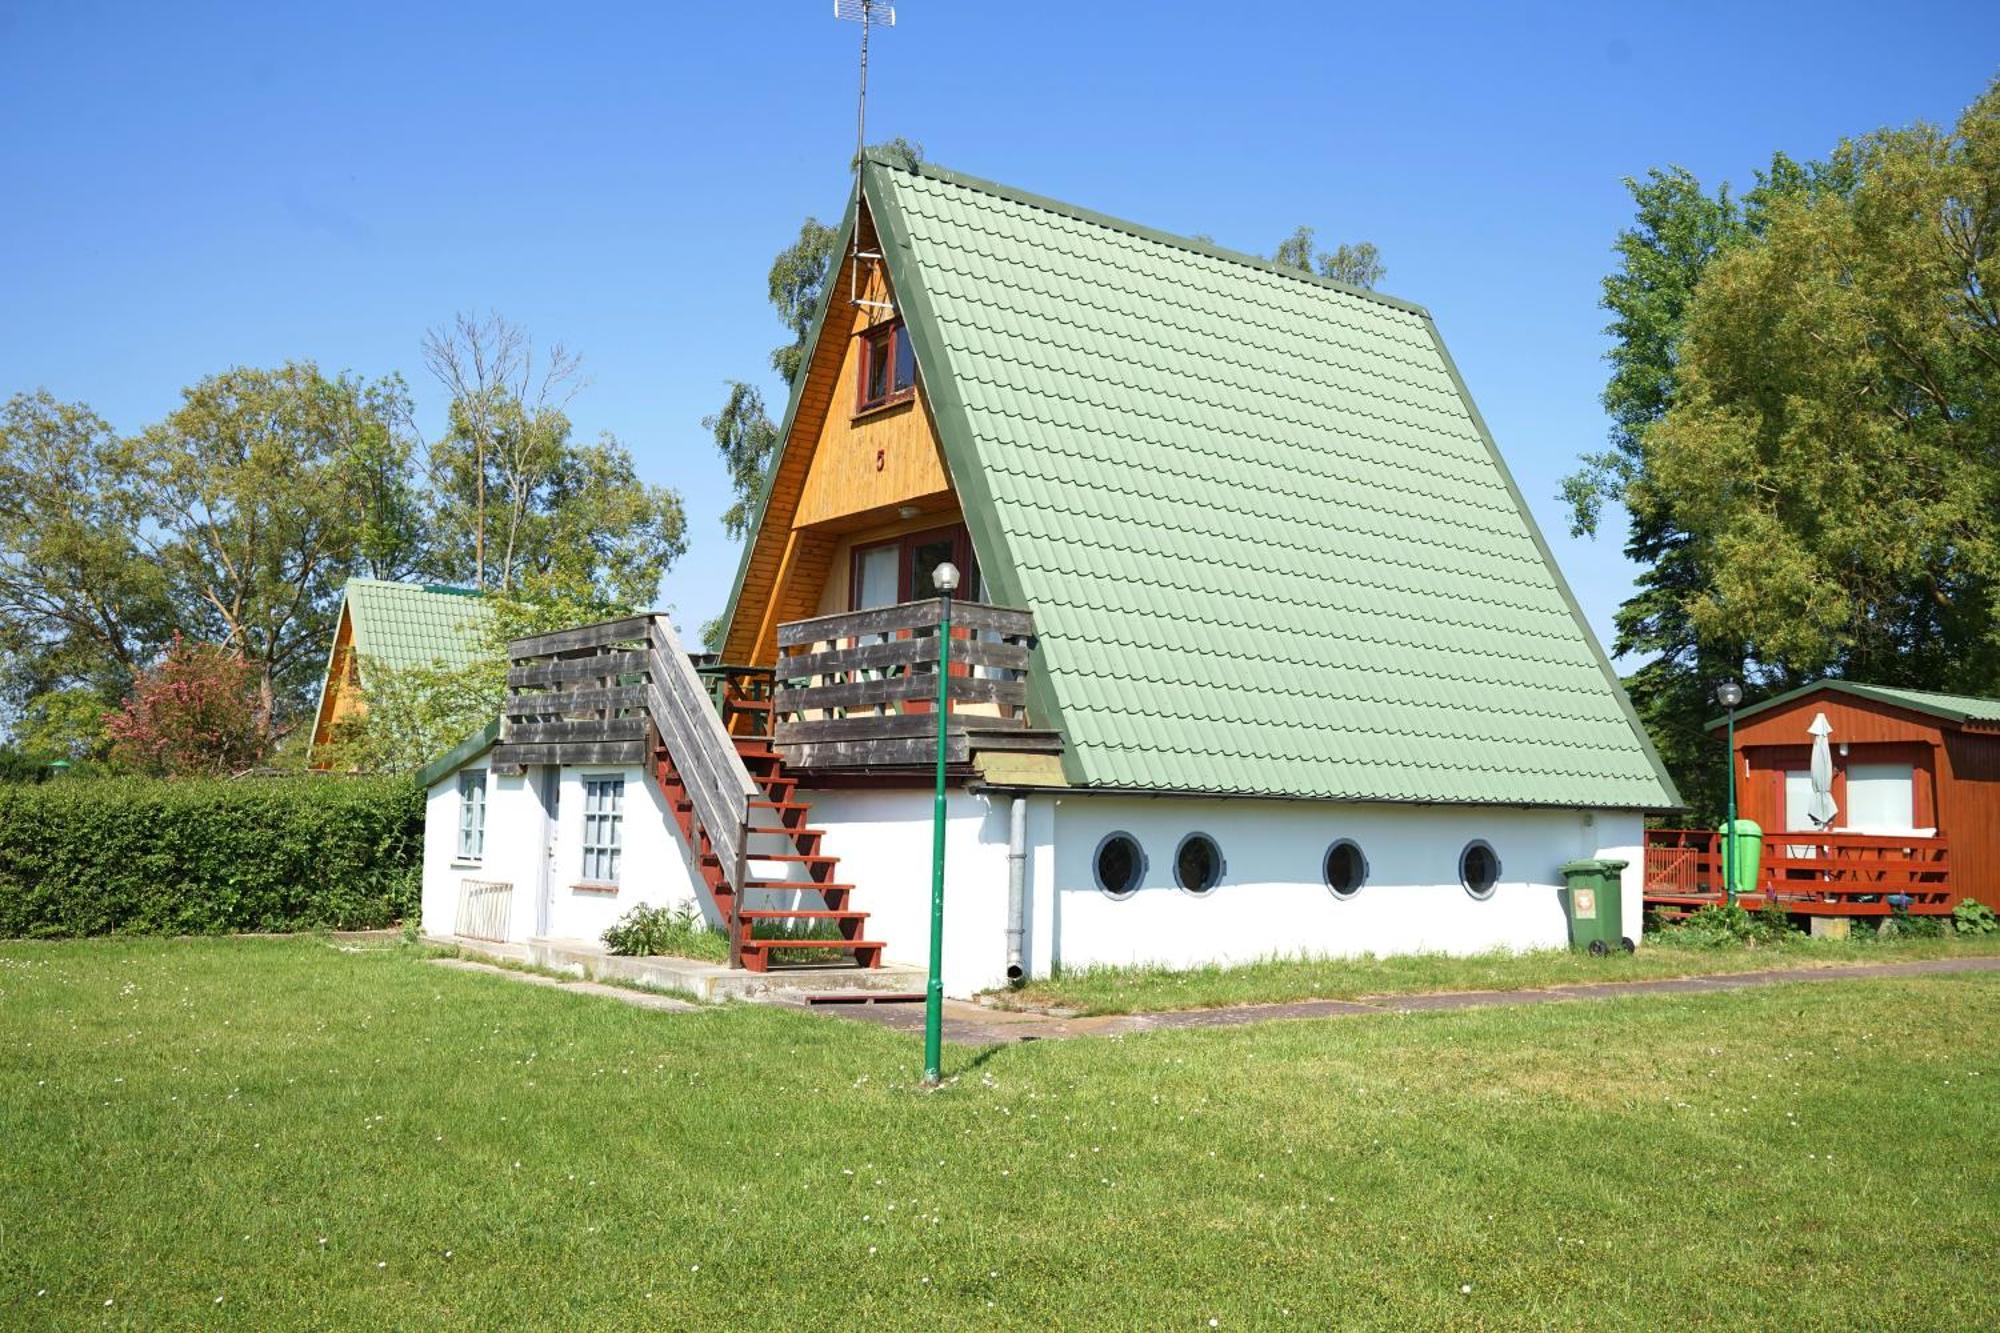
843, 475
340, 692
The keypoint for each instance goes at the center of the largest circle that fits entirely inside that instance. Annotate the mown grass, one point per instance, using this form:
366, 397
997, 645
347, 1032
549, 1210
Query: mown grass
1131, 990
336, 1140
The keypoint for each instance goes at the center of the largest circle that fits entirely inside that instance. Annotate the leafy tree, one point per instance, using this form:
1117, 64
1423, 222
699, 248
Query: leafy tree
197, 712
797, 277
257, 514
80, 604
1834, 447
1722, 391
1357, 265
518, 507
66, 724
746, 438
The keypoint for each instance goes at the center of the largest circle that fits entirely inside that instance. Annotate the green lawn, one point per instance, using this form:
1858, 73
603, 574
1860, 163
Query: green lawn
362, 1139
1132, 990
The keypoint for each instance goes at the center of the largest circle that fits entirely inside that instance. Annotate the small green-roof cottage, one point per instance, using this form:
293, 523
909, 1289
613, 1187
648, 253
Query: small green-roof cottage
398, 625
1257, 647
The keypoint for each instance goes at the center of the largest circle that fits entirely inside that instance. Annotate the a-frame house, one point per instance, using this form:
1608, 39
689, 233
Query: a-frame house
1257, 648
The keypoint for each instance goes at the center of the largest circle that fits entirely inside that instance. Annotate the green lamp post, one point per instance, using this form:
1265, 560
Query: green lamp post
945, 579
1729, 694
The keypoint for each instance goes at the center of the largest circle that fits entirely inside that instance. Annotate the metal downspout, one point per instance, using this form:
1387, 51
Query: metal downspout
1017, 878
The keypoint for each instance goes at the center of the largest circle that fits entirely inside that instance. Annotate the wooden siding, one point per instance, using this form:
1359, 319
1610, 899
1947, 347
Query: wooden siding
1972, 812
838, 474
340, 698
1957, 773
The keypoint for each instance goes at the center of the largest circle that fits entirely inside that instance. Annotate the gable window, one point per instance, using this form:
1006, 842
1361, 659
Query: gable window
472, 814
603, 828
888, 366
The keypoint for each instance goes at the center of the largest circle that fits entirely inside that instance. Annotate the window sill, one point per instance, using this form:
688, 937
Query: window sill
889, 404
462, 863
593, 886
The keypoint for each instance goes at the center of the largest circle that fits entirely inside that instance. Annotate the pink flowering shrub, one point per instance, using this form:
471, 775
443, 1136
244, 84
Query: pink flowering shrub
193, 714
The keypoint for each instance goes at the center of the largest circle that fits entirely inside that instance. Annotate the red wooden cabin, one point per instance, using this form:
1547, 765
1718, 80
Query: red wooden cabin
1916, 777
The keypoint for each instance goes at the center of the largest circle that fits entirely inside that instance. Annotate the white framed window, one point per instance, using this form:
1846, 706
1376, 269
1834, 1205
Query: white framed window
603, 828
1198, 864
1119, 864
472, 814
1479, 868
1881, 798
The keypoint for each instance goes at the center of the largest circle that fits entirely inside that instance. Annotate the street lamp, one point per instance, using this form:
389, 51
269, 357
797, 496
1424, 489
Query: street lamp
945, 579
1729, 694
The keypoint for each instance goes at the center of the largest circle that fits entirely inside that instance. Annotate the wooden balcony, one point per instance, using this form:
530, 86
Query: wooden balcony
1806, 874
858, 690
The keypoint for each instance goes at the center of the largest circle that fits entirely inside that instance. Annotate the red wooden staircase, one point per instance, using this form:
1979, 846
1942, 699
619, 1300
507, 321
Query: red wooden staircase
777, 831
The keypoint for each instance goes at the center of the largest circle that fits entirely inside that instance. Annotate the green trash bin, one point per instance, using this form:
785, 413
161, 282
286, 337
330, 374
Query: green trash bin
1739, 850
1594, 900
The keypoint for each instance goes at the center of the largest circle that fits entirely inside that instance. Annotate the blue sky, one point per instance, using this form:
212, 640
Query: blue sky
191, 187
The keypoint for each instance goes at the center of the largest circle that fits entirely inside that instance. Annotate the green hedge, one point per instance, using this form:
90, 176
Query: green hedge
195, 857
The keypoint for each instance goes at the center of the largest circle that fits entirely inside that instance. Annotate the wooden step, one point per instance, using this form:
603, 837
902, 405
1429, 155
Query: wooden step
803, 913
782, 831
779, 805
798, 858
795, 885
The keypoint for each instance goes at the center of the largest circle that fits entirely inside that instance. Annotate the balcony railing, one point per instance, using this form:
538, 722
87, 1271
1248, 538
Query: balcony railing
859, 689
1823, 874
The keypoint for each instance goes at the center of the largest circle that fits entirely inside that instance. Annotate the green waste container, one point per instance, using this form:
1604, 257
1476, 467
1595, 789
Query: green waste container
1594, 900
1740, 849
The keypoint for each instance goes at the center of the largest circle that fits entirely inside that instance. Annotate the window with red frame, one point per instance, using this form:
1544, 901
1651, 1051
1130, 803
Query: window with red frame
888, 366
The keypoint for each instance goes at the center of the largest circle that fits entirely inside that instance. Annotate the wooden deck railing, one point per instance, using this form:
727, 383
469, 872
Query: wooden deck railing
599, 694
859, 688
1845, 874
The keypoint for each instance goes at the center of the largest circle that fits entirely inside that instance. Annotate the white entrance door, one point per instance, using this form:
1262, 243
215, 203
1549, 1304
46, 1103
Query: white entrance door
550, 791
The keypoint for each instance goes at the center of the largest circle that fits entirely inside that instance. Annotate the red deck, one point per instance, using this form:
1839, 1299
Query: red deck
1809, 874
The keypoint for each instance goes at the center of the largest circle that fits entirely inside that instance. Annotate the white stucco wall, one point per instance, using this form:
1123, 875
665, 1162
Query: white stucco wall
653, 869
1272, 900
883, 840
513, 840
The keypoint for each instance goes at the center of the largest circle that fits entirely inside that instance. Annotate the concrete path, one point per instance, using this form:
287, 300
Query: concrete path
623, 994
978, 1025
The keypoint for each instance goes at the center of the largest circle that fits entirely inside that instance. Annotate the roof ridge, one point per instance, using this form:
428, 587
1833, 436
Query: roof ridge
891, 161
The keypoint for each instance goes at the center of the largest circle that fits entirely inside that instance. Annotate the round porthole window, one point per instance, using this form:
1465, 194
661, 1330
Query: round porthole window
1346, 869
1478, 869
1197, 863
1120, 865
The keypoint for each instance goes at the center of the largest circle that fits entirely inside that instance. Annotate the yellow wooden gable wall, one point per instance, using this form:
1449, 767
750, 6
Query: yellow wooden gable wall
844, 478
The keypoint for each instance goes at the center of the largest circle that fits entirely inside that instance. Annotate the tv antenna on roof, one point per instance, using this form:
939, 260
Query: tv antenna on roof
867, 13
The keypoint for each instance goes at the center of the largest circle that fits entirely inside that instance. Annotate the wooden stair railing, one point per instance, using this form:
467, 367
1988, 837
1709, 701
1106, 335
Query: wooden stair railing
725, 790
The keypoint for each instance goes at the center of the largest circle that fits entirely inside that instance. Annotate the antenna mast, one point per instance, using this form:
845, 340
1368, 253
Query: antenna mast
868, 13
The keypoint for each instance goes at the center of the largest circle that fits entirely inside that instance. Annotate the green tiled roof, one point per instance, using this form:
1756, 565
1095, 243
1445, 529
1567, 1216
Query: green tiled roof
1269, 547
1954, 707
415, 624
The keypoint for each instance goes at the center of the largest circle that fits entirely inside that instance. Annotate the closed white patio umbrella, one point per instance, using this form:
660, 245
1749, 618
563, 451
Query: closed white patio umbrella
1821, 809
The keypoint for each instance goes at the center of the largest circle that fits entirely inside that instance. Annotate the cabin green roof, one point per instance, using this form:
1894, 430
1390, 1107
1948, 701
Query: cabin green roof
1959, 708
415, 624
1268, 544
